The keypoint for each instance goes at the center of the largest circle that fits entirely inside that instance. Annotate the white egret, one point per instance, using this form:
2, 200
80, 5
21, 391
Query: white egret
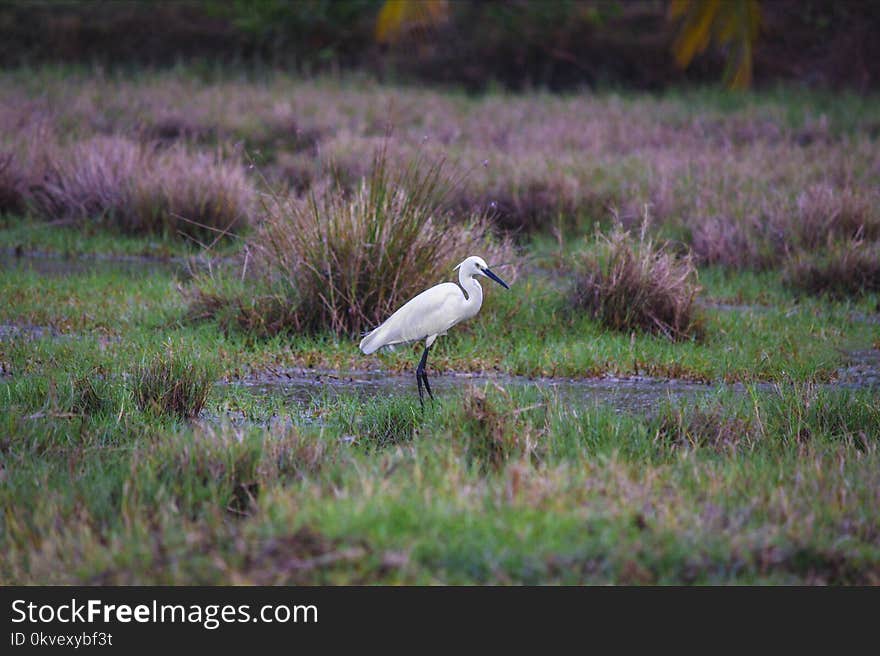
432, 313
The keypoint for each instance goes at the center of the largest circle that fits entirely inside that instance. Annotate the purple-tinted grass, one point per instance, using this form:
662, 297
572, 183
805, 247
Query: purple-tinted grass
848, 268
632, 284
141, 189
748, 186
13, 185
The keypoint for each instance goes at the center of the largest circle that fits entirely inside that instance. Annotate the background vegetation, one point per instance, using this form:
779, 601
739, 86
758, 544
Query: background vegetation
561, 44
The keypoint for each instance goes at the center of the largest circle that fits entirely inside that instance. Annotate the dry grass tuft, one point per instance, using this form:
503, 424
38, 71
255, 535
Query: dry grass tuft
492, 434
196, 193
345, 260
630, 284
824, 213
711, 427
142, 189
13, 185
730, 243
845, 269
92, 179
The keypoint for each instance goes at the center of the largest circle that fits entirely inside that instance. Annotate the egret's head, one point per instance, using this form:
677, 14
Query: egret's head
476, 266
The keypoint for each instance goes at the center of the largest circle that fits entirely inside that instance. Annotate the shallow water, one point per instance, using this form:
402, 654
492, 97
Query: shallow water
637, 395
15, 331
862, 370
58, 266
300, 387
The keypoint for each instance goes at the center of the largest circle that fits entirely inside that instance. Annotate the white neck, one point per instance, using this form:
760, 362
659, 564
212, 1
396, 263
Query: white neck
473, 290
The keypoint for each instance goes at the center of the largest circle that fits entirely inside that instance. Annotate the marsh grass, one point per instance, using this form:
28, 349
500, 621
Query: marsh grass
734, 244
93, 393
85, 393
788, 416
849, 268
343, 261
217, 502
494, 431
787, 225
634, 284
13, 185
229, 466
380, 423
196, 193
265, 307
826, 214
747, 182
757, 484
488, 427
528, 330
806, 414
172, 383
139, 188
716, 426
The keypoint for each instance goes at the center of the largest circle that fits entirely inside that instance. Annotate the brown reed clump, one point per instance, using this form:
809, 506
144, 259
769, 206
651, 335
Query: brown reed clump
140, 189
493, 436
196, 193
635, 285
709, 427
13, 185
824, 213
344, 260
848, 268
730, 243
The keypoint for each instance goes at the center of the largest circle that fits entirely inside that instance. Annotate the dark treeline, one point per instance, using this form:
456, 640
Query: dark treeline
515, 43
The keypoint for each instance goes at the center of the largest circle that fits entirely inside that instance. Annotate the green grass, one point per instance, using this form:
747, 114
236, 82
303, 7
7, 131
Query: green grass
485, 486
171, 382
170, 503
32, 237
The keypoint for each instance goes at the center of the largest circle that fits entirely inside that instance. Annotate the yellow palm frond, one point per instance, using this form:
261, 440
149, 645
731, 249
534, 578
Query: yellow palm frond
731, 24
398, 17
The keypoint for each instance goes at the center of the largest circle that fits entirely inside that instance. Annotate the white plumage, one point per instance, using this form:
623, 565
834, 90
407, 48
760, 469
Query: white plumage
433, 313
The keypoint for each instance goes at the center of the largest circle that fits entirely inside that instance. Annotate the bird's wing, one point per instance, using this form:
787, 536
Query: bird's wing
433, 311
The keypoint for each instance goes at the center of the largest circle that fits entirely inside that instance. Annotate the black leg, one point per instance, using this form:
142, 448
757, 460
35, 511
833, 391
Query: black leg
421, 376
427, 386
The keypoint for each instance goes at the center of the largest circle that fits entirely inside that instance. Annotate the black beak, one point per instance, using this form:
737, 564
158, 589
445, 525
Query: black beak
491, 275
